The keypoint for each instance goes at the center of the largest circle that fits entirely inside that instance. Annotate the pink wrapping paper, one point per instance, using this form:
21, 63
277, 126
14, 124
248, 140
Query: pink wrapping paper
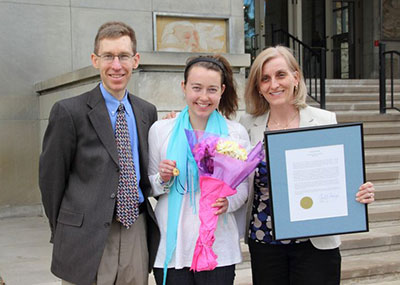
227, 173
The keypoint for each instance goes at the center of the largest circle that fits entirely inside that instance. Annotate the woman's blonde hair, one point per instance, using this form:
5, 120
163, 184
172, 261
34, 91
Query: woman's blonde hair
256, 104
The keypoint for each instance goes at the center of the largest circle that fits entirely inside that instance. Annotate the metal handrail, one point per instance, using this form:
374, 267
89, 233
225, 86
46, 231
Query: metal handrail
312, 60
382, 78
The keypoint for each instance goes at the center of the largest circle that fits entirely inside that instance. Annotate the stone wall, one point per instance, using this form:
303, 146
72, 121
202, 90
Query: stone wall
157, 80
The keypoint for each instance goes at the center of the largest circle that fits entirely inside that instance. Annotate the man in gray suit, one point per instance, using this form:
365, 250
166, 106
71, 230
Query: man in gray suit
80, 168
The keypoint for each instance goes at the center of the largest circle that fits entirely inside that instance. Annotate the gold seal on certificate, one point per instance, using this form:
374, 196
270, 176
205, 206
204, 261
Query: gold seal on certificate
306, 202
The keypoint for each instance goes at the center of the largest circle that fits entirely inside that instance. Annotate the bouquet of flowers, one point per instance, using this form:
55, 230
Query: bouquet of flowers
223, 165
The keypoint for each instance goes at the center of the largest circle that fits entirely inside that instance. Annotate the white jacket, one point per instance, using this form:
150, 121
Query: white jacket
309, 116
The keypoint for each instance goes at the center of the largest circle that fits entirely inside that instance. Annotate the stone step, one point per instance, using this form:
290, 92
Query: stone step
357, 97
390, 277
357, 88
391, 165
363, 82
338, 89
367, 116
382, 141
380, 173
243, 274
384, 202
245, 252
391, 154
374, 124
374, 128
380, 213
371, 256
381, 130
375, 240
387, 191
349, 106
371, 268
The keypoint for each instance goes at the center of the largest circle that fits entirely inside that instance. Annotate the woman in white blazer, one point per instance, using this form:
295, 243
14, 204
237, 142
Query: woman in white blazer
275, 100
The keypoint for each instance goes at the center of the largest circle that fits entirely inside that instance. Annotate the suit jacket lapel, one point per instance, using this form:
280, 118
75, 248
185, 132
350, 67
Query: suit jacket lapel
102, 123
142, 131
306, 119
257, 132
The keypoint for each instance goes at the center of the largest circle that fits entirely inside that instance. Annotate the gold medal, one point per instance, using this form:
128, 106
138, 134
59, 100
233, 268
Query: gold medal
175, 172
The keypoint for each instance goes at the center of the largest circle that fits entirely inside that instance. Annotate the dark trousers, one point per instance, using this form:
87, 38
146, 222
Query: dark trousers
219, 276
294, 264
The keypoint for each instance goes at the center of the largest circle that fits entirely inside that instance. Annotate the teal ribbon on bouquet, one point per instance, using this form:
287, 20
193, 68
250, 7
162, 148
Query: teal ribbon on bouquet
188, 173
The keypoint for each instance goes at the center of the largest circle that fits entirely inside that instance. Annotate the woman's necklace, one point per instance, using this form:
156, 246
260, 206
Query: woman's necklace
287, 125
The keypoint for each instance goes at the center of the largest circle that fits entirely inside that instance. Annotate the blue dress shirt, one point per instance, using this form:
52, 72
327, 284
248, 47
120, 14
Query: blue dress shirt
112, 106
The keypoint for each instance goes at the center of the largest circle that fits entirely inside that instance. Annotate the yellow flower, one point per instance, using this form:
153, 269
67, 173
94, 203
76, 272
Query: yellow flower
232, 149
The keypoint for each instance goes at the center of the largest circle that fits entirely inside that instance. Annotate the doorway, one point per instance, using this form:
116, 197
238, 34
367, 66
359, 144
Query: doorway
333, 25
304, 19
343, 39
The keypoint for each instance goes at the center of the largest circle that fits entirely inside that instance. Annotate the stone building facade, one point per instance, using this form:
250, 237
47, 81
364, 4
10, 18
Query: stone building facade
45, 56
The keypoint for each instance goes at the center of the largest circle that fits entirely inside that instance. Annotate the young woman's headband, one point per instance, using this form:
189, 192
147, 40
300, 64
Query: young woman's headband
205, 59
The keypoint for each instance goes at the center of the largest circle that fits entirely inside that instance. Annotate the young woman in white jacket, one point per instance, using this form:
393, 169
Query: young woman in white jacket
210, 95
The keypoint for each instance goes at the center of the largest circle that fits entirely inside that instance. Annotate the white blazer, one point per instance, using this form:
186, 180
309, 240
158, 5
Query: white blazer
255, 126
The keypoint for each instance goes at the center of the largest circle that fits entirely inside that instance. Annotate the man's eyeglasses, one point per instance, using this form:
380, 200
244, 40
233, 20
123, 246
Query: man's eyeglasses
108, 57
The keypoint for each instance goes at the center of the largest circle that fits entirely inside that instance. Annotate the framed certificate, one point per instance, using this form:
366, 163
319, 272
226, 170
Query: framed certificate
314, 175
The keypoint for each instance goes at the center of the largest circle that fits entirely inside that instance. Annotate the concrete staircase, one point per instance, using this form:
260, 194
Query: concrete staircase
372, 257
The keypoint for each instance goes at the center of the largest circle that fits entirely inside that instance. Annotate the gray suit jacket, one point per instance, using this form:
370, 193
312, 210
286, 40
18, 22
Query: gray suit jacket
78, 179
309, 116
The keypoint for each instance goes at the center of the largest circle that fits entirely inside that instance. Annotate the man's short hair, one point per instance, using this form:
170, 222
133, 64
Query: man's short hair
114, 30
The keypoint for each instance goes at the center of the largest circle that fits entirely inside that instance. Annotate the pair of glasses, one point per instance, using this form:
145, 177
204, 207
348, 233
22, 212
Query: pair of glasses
109, 57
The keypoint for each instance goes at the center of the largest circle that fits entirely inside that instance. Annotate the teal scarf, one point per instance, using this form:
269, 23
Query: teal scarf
188, 174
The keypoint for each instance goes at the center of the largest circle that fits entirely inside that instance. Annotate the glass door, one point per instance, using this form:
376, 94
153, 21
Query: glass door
250, 33
343, 39
295, 18
276, 18
261, 18
313, 23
